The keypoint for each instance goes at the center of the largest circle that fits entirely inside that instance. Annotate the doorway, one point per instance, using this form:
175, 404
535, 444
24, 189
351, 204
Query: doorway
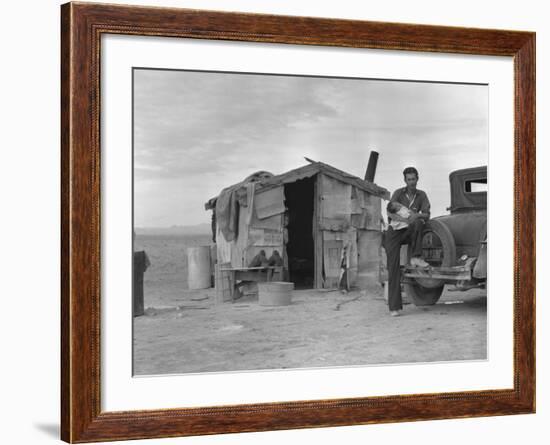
299, 201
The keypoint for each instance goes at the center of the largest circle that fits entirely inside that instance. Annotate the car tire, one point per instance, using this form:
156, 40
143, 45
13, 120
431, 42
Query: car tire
427, 291
447, 241
423, 296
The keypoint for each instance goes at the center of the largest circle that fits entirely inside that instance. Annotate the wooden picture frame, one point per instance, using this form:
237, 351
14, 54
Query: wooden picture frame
82, 25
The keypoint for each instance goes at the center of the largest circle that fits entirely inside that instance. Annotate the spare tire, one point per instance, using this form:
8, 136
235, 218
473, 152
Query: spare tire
435, 236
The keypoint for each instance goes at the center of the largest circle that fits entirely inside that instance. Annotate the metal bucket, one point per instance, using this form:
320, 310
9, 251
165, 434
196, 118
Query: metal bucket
275, 293
198, 267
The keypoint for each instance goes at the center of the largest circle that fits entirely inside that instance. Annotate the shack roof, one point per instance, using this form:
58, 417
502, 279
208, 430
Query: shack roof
308, 171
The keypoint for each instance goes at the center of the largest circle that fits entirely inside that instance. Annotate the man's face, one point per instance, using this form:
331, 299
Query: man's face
411, 179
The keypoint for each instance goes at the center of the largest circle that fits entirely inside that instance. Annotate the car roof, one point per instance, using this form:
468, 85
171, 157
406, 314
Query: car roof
481, 170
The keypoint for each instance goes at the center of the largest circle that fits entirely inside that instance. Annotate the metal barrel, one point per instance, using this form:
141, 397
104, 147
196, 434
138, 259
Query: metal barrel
198, 267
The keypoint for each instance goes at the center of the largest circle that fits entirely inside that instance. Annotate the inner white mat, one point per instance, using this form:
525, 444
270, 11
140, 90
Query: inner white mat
121, 391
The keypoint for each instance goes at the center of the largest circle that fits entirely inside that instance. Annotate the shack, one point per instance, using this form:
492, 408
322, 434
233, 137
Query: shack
316, 216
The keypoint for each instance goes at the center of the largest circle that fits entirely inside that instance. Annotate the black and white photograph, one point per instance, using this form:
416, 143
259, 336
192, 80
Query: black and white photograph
236, 222
286, 222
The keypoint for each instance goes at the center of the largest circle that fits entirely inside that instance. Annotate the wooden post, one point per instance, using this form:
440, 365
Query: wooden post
318, 236
224, 283
141, 263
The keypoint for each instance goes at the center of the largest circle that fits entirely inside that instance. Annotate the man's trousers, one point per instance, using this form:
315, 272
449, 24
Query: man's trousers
393, 240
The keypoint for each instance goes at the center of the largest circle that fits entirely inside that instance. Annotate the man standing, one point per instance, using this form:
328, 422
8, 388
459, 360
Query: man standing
419, 206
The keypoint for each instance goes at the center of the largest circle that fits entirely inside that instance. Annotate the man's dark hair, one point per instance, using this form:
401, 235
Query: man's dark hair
410, 170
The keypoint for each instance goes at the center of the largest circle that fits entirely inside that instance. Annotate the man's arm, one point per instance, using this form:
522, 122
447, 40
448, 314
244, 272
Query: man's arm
424, 208
416, 215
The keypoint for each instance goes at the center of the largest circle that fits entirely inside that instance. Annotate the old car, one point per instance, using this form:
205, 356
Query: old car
454, 245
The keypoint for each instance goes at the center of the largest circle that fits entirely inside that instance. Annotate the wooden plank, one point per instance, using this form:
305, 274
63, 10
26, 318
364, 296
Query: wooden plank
332, 254
322, 168
330, 235
271, 223
374, 212
318, 237
250, 275
223, 283
353, 265
369, 258
239, 248
223, 247
348, 238
335, 198
335, 204
269, 202
366, 211
265, 237
369, 187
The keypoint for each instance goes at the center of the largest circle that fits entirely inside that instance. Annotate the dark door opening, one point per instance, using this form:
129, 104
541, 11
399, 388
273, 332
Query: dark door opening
300, 246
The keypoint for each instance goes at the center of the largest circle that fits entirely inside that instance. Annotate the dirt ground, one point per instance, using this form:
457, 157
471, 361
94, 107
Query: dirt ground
319, 329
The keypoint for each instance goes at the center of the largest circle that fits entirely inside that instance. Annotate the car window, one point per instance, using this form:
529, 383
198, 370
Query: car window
475, 185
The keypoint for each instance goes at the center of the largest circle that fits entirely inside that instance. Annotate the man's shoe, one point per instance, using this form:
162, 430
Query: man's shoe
394, 313
419, 262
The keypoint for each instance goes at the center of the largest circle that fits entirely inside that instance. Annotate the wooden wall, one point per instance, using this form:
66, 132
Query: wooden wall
344, 216
348, 217
254, 234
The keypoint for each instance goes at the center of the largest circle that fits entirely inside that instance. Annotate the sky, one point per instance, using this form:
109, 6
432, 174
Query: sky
198, 132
